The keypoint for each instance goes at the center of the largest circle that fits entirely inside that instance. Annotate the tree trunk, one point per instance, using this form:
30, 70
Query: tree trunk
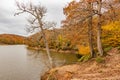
99, 43
45, 41
47, 50
90, 37
90, 32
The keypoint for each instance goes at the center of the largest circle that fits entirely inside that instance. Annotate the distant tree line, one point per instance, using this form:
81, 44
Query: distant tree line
12, 39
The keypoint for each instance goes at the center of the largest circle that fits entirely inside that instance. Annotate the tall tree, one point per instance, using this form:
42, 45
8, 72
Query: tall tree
99, 43
106, 12
79, 14
36, 21
90, 30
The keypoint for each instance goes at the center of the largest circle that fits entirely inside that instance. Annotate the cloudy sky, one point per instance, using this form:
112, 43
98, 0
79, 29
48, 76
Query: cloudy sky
16, 24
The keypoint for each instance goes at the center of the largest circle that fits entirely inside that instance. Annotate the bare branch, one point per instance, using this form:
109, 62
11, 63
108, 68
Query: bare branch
24, 8
48, 25
70, 23
32, 21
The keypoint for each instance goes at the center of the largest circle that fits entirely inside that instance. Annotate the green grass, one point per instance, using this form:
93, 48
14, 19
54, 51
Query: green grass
84, 58
99, 60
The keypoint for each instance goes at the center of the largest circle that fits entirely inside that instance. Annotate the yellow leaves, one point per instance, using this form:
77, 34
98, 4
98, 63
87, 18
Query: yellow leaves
111, 34
60, 38
83, 50
113, 26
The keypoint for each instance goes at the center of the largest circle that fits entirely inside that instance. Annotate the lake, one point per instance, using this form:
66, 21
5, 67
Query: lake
19, 63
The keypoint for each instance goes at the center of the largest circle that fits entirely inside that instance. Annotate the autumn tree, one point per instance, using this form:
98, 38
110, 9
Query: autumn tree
80, 13
99, 43
36, 21
90, 30
106, 11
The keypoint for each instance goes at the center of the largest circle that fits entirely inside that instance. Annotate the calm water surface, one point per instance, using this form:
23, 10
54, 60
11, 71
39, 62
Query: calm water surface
19, 63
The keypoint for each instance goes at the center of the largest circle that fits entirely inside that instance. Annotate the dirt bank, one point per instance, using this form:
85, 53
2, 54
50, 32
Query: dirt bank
90, 70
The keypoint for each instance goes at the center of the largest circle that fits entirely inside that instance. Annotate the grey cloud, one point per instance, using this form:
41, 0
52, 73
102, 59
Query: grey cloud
55, 13
11, 24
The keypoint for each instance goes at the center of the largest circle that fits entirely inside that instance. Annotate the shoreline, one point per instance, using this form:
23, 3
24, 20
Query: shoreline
54, 50
109, 69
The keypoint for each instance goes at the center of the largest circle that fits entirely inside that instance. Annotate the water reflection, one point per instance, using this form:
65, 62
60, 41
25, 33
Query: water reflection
59, 59
40, 56
19, 63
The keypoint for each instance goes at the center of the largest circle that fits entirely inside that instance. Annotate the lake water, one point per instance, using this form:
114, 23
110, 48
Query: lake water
19, 63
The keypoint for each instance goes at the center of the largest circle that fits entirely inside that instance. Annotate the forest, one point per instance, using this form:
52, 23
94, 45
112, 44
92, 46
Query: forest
11, 39
86, 29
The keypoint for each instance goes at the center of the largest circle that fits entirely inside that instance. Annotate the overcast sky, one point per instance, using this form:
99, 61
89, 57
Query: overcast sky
16, 24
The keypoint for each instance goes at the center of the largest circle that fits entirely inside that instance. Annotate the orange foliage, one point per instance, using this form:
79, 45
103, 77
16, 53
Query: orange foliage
83, 50
12, 39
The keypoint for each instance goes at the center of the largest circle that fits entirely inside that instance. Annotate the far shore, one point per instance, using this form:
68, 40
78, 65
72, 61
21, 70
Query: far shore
10, 44
54, 50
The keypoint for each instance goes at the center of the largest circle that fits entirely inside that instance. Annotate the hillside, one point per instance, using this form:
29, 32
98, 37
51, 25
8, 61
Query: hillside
36, 39
109, 69
11, 39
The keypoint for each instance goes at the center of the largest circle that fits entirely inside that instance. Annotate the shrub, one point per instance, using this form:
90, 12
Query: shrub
83, 50
107, 48
84, 58
99, 60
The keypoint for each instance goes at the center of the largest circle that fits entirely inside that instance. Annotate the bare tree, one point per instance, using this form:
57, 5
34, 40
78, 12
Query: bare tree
37, 13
